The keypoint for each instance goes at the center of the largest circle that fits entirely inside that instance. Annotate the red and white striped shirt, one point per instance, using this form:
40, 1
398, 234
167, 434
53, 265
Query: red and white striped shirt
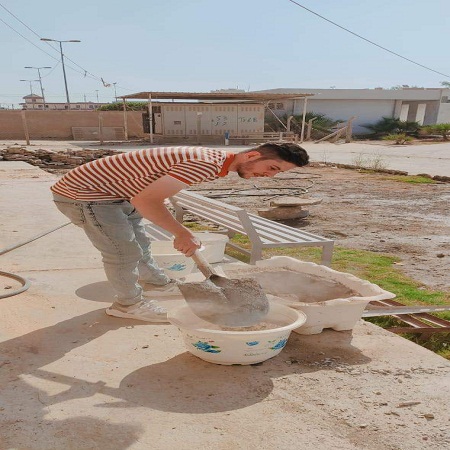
124, 175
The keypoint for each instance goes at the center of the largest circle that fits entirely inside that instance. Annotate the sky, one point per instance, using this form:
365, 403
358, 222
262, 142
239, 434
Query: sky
204, 45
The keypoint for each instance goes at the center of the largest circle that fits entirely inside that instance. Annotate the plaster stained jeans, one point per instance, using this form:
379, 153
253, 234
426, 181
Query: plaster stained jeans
115, 229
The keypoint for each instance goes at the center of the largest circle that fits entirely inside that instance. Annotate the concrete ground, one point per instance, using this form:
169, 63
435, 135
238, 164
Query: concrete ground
72, 377
432, 159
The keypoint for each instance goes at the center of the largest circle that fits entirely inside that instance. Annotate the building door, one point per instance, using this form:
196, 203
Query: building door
420, 115
156, 122
404, 113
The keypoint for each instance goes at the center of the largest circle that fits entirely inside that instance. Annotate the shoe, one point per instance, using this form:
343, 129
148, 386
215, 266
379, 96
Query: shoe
146, 310
170, 288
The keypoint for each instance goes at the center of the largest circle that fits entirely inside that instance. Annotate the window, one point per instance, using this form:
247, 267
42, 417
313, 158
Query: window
177, 122
276, 106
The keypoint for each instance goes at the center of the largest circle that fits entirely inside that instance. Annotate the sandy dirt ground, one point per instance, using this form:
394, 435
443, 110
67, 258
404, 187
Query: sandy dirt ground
362, 211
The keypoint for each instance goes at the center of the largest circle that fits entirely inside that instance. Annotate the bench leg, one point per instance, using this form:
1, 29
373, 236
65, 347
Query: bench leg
256, 254
327, 253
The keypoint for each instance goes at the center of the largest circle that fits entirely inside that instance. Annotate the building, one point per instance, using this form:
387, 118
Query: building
213, 114
428, 106
36, 102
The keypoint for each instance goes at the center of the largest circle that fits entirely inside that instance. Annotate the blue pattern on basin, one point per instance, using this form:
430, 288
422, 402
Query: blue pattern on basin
205, 347
280, 344
178, 267
252, 343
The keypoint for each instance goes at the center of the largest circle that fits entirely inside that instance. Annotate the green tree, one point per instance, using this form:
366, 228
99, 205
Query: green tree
131, 106
445, 84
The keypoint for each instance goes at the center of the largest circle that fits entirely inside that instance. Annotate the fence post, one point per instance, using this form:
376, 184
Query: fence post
150, 117
309, 128
25, 127
302, 134
348, 134
125, 120
100, 127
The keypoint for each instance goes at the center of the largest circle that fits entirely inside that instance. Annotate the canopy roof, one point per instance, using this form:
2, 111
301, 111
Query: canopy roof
240, 96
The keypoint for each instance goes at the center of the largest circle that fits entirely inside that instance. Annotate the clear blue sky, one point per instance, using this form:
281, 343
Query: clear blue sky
202, 45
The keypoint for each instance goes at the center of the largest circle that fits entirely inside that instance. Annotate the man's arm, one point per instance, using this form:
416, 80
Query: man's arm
150, 204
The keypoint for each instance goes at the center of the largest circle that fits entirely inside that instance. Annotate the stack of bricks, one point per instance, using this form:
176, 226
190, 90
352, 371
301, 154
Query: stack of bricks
47, 159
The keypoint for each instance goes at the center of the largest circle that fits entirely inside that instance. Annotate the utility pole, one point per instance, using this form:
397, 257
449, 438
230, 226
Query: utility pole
31, 84
62, 61
40, 79
97, 95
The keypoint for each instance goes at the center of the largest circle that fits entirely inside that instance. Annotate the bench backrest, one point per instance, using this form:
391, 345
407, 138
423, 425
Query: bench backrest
240, 221
208, 208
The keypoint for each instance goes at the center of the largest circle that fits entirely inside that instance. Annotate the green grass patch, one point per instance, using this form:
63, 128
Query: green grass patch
415, 179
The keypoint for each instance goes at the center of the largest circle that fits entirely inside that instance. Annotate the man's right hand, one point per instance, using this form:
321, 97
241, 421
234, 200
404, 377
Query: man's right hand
186, 243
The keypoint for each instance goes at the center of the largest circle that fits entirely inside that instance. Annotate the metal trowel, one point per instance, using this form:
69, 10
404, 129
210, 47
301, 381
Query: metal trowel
224, 301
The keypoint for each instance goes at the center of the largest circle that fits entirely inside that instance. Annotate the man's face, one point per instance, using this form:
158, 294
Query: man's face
260, 167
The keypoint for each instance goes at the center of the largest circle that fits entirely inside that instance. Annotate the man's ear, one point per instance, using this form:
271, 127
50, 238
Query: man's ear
252, 155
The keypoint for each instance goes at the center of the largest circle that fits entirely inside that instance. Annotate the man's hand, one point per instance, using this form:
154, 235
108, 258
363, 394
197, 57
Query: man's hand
186, 243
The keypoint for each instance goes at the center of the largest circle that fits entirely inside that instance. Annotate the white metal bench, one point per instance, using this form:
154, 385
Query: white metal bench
263, 233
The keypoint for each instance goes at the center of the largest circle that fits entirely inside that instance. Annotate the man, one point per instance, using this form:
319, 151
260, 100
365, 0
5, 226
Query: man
108, 198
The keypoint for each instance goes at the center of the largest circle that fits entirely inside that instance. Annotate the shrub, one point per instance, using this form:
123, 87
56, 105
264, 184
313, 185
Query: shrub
441, 128
391, 125
399, 139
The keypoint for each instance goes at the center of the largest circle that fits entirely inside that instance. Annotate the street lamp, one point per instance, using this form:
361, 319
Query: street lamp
115, 93
31, 85
62, 61
40, 80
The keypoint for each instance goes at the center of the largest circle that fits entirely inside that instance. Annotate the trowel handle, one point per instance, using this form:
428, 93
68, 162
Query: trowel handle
203, 265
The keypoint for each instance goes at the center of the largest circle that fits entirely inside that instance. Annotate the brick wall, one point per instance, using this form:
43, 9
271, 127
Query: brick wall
58, 124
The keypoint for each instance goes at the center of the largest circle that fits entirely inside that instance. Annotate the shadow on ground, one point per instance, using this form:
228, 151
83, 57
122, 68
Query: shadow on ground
182, 384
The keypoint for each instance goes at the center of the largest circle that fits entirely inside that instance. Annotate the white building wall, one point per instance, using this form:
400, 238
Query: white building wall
444, 113
193, 114
365, 111
224, 118
215, 119
250, 119
174, 120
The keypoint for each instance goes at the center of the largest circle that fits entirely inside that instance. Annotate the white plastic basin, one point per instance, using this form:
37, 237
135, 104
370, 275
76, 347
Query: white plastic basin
173, 262
214, 244
330, 299
212, 344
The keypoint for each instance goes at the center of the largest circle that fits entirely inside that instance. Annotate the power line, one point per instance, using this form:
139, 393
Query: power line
21, 35
85, 72
367, 40
51, 46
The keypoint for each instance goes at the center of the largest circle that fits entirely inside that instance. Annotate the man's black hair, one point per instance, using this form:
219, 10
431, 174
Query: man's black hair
286, 151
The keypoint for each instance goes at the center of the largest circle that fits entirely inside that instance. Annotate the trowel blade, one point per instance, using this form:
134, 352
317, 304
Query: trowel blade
225, 302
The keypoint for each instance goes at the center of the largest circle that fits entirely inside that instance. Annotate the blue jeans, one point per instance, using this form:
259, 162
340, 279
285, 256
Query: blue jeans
115, 229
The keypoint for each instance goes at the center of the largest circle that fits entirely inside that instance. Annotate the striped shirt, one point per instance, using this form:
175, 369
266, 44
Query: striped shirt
124, 175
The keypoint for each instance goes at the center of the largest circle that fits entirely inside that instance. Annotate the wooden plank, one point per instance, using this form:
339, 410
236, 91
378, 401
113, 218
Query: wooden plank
418, 330
400, 310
